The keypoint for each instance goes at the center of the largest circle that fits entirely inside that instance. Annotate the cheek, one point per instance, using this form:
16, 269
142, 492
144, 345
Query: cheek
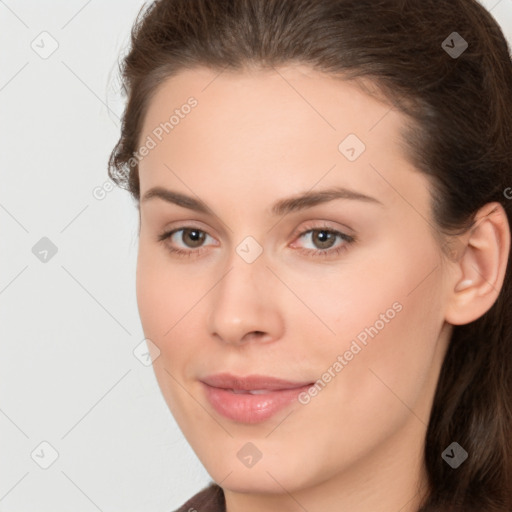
168, 298
151, 301
371, 396
158, 302
385, 311
389, 329
164, 302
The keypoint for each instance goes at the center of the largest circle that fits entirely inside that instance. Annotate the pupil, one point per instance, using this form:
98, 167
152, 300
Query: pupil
327, 236
196, 236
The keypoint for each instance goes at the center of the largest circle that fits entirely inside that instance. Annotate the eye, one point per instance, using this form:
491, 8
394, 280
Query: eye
191, 237
193, 240
324, 239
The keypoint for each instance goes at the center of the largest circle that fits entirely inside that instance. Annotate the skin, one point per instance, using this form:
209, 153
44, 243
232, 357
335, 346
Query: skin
254, 138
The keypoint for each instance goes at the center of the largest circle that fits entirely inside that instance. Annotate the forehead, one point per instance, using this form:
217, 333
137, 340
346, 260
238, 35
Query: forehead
291, 126
274, 98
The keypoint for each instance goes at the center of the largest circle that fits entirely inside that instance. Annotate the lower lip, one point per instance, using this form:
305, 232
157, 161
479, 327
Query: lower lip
247, 408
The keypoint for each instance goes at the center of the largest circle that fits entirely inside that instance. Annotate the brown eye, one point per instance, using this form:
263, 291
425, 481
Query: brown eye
186, 241
323, 239
195, 236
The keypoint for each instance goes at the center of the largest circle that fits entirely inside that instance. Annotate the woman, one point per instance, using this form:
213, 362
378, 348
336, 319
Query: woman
324, 247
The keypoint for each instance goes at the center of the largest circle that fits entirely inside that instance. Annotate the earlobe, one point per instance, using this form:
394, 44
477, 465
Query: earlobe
481, 269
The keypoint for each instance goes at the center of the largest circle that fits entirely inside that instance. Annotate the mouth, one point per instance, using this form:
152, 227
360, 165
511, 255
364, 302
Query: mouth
252, 399
252, 391
251, 383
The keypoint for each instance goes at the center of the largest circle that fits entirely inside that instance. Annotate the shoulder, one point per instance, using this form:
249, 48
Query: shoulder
209, 499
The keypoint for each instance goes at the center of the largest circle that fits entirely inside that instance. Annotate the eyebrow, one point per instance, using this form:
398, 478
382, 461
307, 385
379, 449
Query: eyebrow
281, 207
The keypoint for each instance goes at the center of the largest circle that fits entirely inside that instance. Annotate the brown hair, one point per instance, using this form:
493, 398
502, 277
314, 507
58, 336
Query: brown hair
460, 135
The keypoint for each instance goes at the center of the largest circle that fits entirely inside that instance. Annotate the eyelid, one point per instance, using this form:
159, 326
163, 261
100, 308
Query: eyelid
331, 252
170, 232
318, 225
188, 224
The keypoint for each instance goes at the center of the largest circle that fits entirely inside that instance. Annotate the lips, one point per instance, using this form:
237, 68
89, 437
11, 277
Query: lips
251, 391
251, 383
251, 399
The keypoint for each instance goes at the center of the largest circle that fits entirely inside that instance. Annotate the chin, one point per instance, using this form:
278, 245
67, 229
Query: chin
263, 478
250, 484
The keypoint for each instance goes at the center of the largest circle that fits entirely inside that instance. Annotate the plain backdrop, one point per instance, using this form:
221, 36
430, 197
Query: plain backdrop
83, 424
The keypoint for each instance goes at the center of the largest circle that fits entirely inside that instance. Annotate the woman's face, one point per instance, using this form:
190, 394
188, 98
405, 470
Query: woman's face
340, 289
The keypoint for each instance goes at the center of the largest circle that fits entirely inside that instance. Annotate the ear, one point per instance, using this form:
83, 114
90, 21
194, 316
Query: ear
478, 275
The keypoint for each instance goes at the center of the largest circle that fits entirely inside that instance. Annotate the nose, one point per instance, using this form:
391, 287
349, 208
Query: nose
244, 305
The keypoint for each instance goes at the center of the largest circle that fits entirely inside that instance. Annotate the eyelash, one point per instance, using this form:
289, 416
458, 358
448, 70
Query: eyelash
348, 239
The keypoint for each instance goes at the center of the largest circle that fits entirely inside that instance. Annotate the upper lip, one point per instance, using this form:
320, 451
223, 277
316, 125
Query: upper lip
250, 382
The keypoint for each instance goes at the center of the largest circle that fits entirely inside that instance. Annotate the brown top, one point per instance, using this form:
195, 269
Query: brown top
209, 499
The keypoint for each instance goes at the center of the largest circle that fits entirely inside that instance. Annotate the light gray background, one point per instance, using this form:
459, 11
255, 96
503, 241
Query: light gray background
69, 326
